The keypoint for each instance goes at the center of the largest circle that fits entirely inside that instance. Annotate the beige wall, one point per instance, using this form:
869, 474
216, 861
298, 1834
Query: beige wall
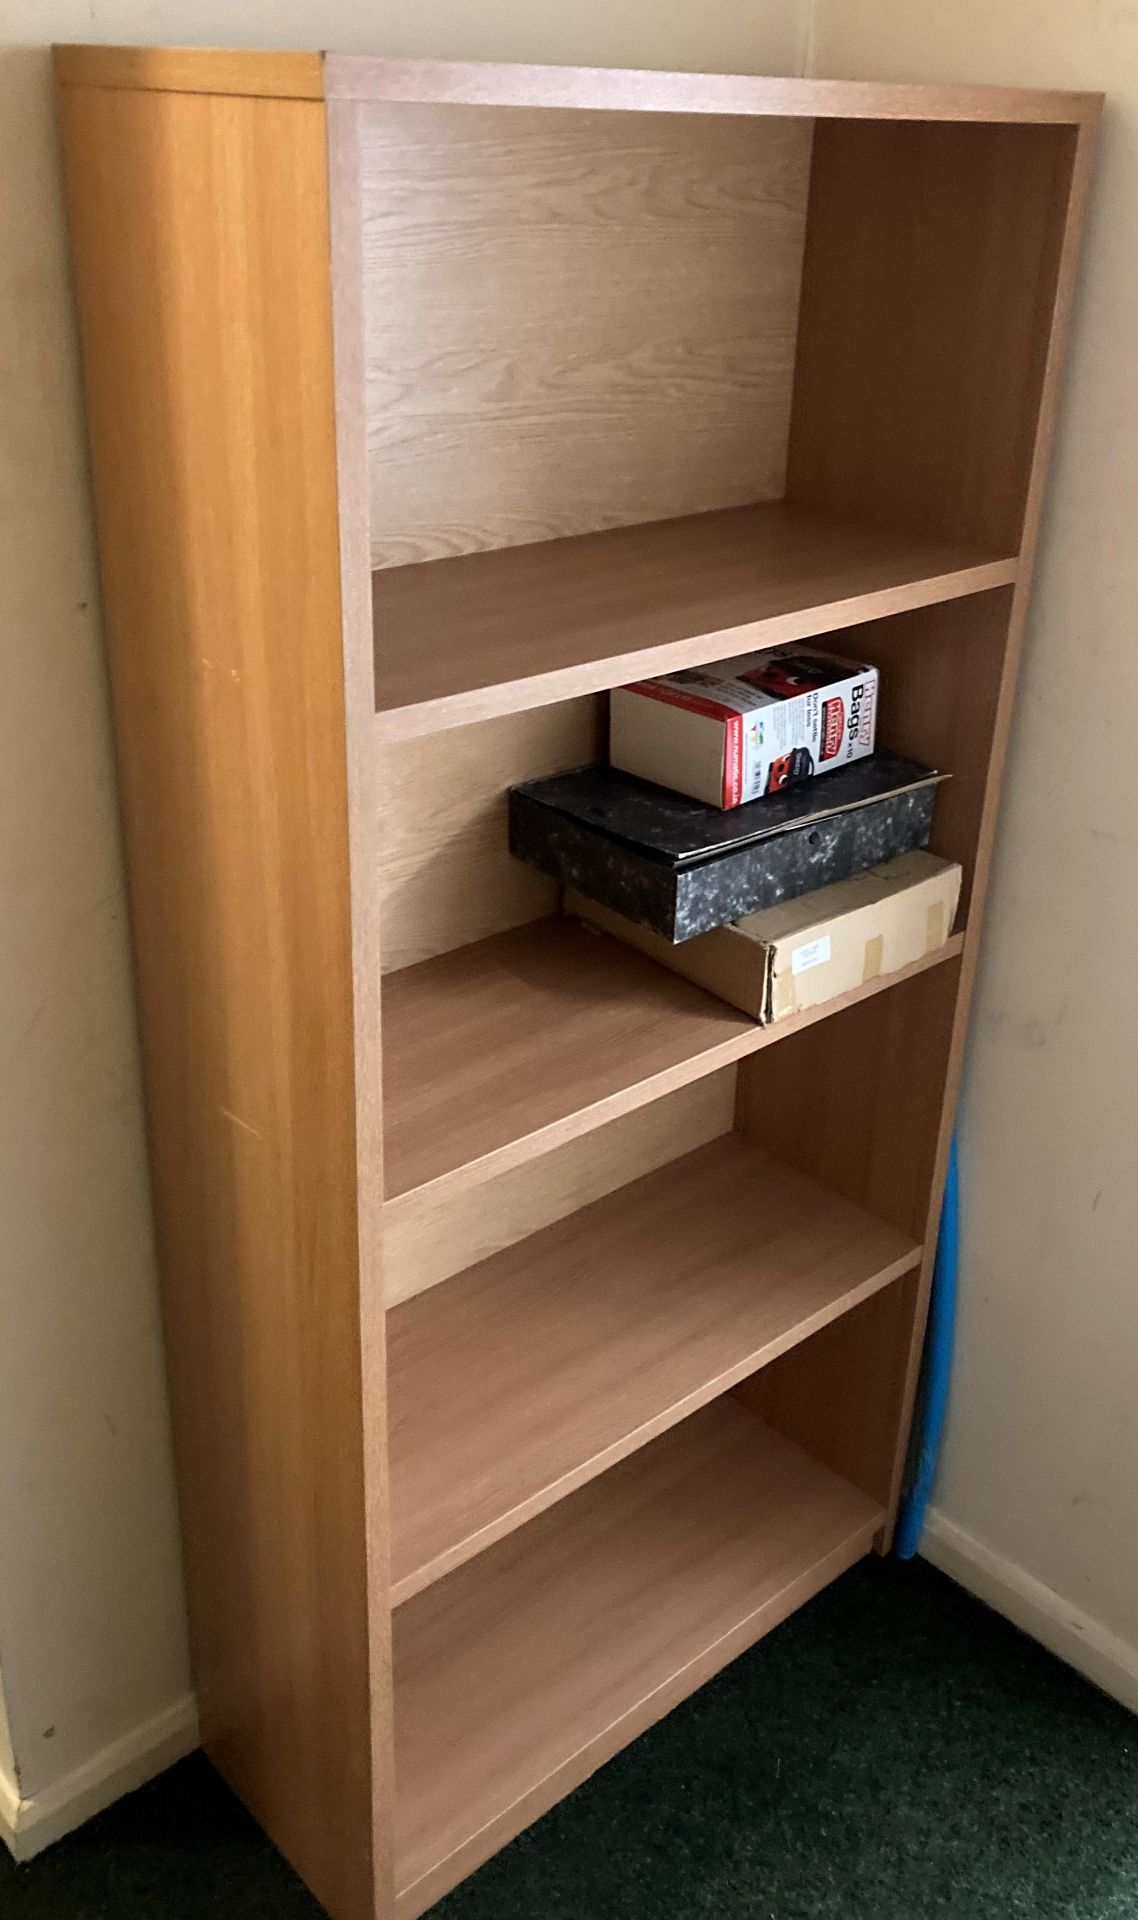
91, 1637
1041, 1466
7, 1757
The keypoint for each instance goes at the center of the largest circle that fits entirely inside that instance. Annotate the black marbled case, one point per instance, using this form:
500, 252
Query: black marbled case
681, 868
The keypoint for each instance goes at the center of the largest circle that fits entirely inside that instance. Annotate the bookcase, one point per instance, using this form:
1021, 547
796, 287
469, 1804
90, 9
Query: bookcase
541, 1331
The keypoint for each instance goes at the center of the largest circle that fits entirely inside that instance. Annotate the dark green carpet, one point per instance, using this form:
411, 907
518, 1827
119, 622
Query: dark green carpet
895, 1751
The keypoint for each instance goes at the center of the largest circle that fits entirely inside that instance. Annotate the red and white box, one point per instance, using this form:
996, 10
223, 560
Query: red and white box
734, 731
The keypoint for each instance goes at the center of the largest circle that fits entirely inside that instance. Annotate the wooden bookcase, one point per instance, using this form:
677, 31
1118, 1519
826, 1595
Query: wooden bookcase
541, 1332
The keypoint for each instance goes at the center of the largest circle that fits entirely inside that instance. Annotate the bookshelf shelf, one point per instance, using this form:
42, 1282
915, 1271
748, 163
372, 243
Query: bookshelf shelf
462, 639
725, 1259
500, 1051
519, 1675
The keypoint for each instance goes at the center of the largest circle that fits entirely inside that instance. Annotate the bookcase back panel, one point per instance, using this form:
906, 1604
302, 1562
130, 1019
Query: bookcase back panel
446, 874
574, 320
428, 1238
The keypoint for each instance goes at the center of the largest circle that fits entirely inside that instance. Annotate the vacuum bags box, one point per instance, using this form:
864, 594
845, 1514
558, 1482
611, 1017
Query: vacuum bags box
729, 733
682, 868
808, 951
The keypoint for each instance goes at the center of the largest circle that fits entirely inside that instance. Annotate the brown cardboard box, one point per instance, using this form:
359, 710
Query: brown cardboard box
809, 950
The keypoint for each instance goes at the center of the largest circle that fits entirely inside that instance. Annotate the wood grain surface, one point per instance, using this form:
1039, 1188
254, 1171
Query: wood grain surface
458, 640
254, 72
1054, 322
199, 230
841, 1394
928, 360
887, 1056
472, 84
525, 1670
858, 1103
928, 287
574, 320
430, 1235
941, 670
446, 874
365, 805
630, 1313
500, 1051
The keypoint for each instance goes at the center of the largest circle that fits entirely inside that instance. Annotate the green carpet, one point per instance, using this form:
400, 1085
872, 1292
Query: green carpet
893, 1752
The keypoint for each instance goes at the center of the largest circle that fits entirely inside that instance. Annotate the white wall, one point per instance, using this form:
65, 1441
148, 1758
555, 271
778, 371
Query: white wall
1037, 1502
91, 1636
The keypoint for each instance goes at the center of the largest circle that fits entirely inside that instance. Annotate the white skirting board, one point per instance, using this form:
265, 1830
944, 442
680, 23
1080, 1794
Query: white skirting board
28, 1826
1062, 1628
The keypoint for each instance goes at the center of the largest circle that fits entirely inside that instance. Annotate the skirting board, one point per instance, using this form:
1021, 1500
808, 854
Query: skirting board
28, 1826
1062, 1628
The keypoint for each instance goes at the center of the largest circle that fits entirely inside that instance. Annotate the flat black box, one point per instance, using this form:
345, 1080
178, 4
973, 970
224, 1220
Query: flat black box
682, 868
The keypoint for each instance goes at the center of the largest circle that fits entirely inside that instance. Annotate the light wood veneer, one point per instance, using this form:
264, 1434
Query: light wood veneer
431, 1234
199, 225
524, 1671
460, 639
504, 1049
630, 90
512, 411
527, 1375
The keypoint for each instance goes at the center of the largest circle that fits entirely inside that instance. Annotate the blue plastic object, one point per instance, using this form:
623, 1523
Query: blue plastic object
932, 1401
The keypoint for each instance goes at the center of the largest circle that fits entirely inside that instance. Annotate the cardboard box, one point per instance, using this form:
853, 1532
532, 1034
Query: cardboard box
808, 951
729, 733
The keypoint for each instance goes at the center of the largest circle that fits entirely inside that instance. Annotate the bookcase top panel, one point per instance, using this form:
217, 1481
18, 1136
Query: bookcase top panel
335, 76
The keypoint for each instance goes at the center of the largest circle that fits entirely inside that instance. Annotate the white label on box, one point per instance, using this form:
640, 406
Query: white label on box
814, 954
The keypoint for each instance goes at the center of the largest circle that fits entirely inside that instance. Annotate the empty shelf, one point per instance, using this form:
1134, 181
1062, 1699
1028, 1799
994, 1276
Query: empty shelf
515, 1382
485, 633
523, 1672
501, 1050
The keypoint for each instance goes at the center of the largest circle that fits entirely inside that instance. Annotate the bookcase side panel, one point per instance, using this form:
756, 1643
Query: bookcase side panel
199, 227
903, 1155
367, 813
932, 258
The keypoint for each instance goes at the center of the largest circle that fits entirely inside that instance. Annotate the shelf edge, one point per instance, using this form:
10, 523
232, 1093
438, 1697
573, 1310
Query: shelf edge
531, 1146
372, 77
596, 676
413, 1899
570, 1482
